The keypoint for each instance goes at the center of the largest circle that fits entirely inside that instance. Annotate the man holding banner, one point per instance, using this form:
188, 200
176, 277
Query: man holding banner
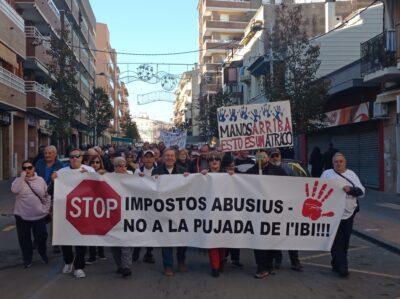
264, 258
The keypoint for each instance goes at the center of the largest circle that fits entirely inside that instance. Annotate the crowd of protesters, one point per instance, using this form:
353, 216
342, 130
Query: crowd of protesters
35, 187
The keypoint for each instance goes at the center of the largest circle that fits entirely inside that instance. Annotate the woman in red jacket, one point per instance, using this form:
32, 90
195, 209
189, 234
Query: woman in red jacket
216, 255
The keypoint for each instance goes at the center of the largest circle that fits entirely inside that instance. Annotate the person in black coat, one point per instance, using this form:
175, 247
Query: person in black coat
316, 162
264, 258
169, 167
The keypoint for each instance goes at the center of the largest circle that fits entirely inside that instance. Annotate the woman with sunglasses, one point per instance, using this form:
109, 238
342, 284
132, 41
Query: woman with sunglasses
97, 164
122, 255
216, 255
32, 205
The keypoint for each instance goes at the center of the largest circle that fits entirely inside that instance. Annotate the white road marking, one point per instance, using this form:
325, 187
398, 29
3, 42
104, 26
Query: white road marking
389, 205
328, 253
8, 228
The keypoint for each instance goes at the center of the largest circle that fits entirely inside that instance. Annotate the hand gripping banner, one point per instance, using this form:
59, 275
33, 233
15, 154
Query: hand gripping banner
206, 211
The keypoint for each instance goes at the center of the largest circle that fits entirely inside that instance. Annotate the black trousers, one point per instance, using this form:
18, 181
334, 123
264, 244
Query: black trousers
341, 244
68, 256
93, 251
293, 255
234, 253
264, 259
24, 232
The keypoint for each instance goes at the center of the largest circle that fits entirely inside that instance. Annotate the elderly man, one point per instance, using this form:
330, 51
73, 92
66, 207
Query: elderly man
276, 159
77, 262
166, 168
264, 258
49, 164
354, 190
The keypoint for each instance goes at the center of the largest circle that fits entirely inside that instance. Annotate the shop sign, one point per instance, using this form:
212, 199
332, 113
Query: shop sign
348, 115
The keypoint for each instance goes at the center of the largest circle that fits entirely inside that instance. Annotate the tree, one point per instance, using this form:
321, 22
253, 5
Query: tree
207, 119
293, 67
129, 128
66, 101
100, 113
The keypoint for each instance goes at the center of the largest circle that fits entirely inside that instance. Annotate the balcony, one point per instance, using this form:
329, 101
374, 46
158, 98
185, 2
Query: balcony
85, 58
227, 6
12, 91
37, 46
210, 26
38, 99
43, 13
12, 28
378, 58
213, 46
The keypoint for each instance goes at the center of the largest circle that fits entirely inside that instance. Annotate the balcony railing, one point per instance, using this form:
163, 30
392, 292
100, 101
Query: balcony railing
33, 32
54, 8
12, 14
33, 86
11, 80
378, 53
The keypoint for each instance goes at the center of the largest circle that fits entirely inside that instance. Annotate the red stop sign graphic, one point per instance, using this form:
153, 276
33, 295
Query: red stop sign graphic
93, 207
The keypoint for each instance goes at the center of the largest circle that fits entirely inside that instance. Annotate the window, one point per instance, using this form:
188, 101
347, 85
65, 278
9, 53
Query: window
224, 18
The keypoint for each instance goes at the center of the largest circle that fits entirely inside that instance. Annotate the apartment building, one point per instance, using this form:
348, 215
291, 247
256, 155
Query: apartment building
221, 27
13, 124
186, 109
244, 68
380, 64
107, 75
149, 129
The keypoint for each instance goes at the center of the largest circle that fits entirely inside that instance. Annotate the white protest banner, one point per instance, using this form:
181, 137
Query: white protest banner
207, 211
171, 139
255, 126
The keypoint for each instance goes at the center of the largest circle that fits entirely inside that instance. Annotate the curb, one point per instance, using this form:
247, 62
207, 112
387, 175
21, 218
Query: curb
390, 246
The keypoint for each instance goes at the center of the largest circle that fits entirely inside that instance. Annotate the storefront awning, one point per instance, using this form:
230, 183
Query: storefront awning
8, 55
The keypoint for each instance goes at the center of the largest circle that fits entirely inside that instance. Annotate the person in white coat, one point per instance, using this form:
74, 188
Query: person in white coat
354, 189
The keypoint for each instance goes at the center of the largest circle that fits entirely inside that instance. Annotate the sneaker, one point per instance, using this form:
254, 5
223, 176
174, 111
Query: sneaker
45, 259
343, 272
149, 258
126, 272
168, 272
67, 269
79, 273
182, 267
297, 267
27, 265
261, 275
237, 264
215, 273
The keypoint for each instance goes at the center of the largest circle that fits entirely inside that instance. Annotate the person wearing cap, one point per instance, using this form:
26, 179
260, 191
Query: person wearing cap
145, 170
169, 167
264, 258
77, 262
276, 159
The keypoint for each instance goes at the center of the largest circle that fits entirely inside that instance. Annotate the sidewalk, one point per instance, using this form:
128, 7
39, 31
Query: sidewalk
379, 219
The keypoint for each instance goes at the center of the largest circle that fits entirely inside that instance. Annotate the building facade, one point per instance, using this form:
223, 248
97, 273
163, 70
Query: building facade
186, 107
149, 129
107, 77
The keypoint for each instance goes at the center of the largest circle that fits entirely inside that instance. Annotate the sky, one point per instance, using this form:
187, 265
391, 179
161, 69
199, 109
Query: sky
157, 26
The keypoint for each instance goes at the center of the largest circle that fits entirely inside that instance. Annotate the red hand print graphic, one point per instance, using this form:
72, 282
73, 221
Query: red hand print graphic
312, 207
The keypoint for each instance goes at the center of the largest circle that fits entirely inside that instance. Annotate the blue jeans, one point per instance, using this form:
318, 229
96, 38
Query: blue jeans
168, 256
